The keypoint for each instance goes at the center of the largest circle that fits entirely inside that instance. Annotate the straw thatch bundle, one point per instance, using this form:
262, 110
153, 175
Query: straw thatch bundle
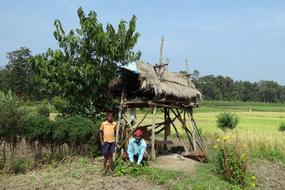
146, 82
169, 84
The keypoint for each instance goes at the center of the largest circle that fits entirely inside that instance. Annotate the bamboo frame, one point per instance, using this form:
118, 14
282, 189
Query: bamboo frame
153, 134
183, 114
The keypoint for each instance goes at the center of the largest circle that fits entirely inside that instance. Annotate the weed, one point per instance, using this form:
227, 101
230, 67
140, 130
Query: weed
282, 126
18, 166
232, 161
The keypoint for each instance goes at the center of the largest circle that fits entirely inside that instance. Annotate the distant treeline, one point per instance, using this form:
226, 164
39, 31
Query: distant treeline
19, 77
225, 88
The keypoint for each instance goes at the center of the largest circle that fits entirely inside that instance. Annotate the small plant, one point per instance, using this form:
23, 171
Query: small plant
232, 162
227, 120
282, 126
125, 168
44, 111
18, 166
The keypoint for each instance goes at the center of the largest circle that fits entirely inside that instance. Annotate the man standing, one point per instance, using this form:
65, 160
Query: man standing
137, 148
108, 139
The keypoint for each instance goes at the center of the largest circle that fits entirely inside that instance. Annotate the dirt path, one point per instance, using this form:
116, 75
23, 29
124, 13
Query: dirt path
174, 162
270, 175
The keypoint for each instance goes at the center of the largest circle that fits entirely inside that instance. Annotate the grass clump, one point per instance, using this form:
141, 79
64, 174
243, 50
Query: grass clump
227, 120
282, 126
18, 166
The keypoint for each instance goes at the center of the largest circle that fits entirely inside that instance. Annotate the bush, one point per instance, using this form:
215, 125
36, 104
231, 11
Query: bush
232, 162
227, 120
282, 126
38, 128
81, 134
18, 166
60, 104
44, 110
11, 120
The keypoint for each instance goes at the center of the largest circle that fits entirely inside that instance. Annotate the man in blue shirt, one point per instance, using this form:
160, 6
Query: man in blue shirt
137, 148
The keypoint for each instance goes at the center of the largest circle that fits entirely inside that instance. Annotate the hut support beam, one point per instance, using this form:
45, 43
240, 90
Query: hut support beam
166, 126
119, 121
178, 136
153, 133
199, 137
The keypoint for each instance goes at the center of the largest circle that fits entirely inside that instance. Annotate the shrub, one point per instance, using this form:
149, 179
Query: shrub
44, 110
38, 133
80, 131
11, 121
60, 104
81, 134
227, 120
282, 126
37, 128
18, 166
232, 162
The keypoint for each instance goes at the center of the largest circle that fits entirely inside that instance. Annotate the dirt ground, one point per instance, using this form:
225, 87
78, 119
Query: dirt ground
81, 174
89, 182
174, 162
270, 175
84, 174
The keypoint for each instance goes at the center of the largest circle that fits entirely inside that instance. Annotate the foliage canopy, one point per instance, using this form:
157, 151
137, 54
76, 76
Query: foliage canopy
86, 62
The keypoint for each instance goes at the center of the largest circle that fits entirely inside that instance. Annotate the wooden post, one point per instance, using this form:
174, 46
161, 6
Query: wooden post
153, 133
119, 122
193, 132
166, 126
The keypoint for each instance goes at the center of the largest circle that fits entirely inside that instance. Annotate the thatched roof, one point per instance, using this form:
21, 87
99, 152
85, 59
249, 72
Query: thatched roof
141, 80
170, 84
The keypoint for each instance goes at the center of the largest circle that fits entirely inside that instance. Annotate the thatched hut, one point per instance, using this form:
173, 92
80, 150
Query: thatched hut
142, 85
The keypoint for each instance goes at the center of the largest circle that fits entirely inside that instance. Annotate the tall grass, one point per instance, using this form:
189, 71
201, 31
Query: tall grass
258, 126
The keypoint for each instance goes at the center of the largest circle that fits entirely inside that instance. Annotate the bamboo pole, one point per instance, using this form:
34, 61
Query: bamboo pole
153, 133
119, 121
166, 126
202, 146
193, 132
178, 136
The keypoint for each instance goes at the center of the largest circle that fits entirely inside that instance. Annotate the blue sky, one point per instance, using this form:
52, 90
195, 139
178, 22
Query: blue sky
243, 39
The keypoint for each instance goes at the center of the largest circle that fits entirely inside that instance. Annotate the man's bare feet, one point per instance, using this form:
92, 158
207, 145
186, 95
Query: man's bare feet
111, 173
104, 172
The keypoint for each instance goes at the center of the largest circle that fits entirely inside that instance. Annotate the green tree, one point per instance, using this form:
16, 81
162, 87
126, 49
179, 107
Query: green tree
4, 79
86, 61
19, 76
18, 66
269, 91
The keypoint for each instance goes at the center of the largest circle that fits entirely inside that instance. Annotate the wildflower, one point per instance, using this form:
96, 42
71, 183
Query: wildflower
218, 139
215, 146
244, 145
253, 177
226, 138
252, 184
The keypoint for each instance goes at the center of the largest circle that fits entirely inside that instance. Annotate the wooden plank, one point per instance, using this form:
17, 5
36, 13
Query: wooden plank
153, 133
159, 103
